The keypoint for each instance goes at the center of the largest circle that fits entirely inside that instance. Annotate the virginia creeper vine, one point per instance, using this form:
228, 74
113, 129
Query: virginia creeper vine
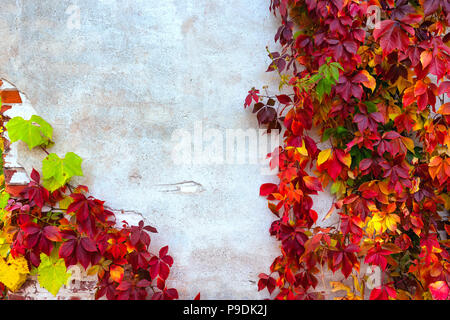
377, 96
53, 225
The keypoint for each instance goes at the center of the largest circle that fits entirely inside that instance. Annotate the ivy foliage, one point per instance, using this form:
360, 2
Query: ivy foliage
34, 132
377, 92
52, 272
57, 172
53, 225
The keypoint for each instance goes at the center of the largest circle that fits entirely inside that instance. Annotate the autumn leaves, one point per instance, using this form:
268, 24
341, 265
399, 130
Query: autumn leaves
389, 160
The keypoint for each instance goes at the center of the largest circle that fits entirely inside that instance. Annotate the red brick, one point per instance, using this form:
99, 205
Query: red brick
10, 96
13, 296
8, 174
14, 190
5, 108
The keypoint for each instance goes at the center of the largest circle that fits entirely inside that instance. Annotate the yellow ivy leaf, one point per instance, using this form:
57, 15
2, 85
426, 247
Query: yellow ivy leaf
415, 185
401, 84
425, 58
13, 272
339, 286
382, 221
338, 188
370, 83
64, 203
116, 273
93, 270
4, 248
346, 159
393, 111
446, 199
52, 272
358, 287
302, 150
409, 143
323, 156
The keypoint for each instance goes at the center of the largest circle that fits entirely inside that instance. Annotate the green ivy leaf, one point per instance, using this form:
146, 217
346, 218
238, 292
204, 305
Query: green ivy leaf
371, 107
57, 172
337, 65
329, 76
4, 248
34, 132
4, 197
341, 130
299, 32
327, 133
320, 89
335, 73
52, 272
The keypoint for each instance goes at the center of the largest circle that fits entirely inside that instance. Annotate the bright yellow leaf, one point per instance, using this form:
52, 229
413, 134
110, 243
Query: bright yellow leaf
409, 143
382, 221
370, 83
13, 272
116, 273
323, 156
302, 150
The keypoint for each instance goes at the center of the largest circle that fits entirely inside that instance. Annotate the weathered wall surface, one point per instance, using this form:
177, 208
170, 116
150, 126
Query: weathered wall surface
116, 88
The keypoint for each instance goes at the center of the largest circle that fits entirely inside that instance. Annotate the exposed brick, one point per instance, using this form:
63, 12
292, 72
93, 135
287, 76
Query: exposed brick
10, 96
5, 108
14, 296
8, 174
14, 190
81, 287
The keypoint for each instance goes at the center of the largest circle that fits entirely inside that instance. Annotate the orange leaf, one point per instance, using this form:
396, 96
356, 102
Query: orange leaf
425, 58
420, 88
370, 83
434, 166
312, 183
408, 96
344, 158
445, 109
116, 273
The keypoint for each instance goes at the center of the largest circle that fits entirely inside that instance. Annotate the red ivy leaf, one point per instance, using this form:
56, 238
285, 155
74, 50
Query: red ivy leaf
267, 188
393, 35
284, 99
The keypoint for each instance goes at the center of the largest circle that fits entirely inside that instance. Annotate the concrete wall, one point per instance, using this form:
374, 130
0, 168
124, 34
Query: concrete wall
118, 82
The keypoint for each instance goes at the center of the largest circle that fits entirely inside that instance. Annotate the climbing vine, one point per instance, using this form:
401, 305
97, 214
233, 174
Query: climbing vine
370, 78
53, 225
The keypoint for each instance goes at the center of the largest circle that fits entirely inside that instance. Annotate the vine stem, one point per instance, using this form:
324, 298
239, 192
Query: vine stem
45, 150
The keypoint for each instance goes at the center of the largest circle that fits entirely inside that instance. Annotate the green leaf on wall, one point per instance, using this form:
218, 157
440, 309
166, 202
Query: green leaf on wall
57, 172
34, 132
52, 272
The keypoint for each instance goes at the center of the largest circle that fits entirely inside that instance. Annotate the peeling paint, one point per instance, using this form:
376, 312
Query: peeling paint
181, 187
